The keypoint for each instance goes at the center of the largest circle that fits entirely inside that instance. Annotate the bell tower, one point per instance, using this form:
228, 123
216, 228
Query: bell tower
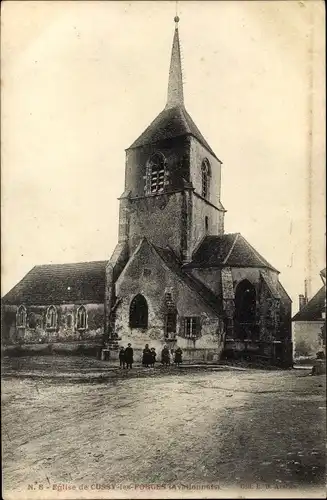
172, 177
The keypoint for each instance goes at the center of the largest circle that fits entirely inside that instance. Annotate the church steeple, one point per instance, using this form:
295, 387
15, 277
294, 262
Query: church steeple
175, 96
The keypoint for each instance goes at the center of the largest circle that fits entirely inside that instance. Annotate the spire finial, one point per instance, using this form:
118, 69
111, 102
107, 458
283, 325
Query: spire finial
175, 83
176, 18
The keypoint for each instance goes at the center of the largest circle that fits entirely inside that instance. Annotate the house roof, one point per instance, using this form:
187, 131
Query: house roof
170, 259
230, 250
312, 311
171, 122
59, 283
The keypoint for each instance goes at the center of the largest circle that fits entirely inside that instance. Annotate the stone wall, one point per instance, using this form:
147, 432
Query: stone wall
307, 338
176, 152
197, 154
153, 284
158, 218
65, 329
200, 210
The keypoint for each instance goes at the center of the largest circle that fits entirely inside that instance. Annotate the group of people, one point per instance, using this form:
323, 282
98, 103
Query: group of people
167, 356
149, 356
126, 356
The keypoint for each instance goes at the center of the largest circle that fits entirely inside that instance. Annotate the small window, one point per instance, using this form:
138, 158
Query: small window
156, 173
21, 317
81, 318
206, 224
51, 318
191, 327
205, 171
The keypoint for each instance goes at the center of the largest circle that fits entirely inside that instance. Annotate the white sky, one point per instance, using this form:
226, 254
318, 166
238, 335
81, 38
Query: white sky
81, 81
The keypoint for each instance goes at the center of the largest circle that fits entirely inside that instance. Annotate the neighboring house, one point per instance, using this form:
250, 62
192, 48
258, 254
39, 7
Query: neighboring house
309, 329
56, 303
174, 277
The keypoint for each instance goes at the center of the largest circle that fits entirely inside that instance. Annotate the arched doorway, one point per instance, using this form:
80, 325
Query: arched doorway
245, 310
138, 312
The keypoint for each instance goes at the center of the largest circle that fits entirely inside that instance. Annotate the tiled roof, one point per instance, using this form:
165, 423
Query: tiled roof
59, 283
312, 311
171, 122
170, 259
227, 250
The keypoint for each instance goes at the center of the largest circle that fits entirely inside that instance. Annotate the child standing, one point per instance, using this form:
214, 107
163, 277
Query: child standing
153, 356
122, 360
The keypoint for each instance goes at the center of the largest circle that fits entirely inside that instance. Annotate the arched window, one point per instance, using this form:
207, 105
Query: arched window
69, 321
32, 323
81, 318
205, 171
21, 317
245, 310
51, 318
138, 312
156, 173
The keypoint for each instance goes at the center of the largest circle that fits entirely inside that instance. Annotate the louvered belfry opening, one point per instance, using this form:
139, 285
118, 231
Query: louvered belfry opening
157, 173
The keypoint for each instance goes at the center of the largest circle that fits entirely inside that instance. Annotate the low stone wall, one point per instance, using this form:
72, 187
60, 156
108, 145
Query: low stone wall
189, 355
70, 348
275, 353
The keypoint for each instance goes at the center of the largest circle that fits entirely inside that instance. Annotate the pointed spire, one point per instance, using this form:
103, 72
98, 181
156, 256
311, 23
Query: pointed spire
175, 95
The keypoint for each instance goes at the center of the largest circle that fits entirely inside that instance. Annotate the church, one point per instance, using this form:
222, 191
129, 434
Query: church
175, 277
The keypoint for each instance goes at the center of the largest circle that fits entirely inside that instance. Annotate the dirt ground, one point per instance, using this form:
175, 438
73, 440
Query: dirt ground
231, 428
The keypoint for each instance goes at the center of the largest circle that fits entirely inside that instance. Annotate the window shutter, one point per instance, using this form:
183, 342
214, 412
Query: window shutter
198, 325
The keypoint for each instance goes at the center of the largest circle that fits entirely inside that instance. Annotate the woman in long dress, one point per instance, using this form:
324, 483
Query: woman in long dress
165, 356
147, 356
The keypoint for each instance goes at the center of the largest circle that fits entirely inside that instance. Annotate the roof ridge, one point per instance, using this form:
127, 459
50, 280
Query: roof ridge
231, 249
308, 306
20, 281
70, 263
262, 259
191, 279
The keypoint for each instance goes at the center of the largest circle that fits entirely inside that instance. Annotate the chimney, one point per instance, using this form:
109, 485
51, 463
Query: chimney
306, 290
302, 301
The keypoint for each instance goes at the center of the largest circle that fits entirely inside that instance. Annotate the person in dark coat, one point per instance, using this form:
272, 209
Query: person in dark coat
178, 356
153, 356
165, 356
147, 356
122, 360
129, 356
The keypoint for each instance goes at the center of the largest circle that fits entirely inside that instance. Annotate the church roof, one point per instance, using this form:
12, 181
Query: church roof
60, 283
230, 250
170, 123
170, 259
312, 311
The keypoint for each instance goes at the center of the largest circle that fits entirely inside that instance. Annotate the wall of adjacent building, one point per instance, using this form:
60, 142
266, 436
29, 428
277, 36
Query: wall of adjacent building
65, 329
307, 337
